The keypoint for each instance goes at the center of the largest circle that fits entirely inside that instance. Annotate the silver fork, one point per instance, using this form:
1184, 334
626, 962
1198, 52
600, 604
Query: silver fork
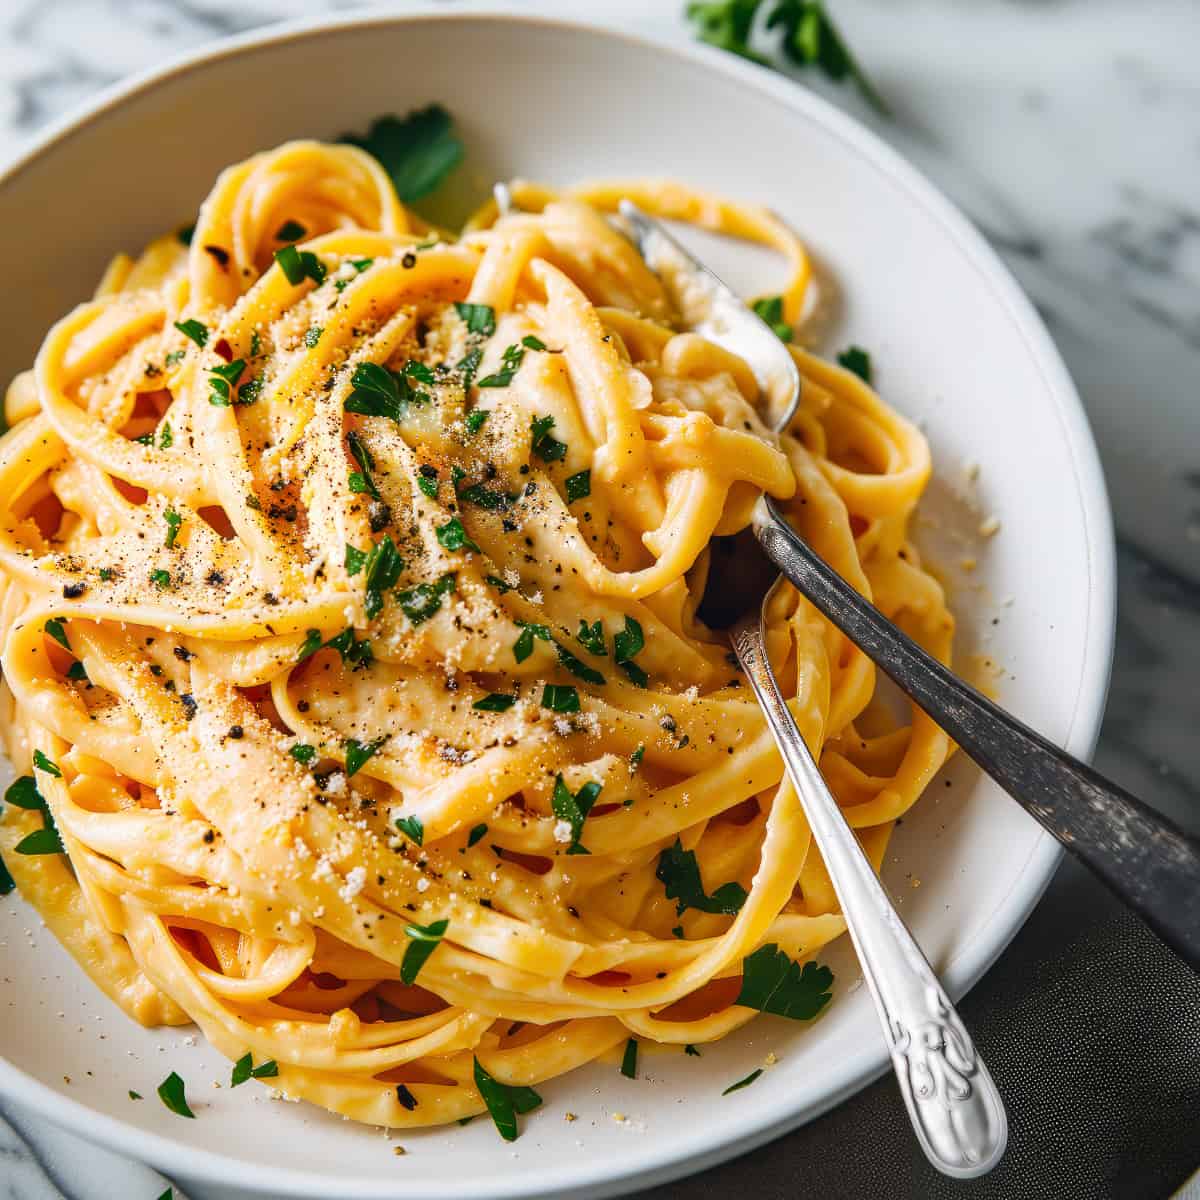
955, 1109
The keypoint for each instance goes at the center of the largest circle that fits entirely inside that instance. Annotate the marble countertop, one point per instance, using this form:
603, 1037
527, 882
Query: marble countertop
1067, 131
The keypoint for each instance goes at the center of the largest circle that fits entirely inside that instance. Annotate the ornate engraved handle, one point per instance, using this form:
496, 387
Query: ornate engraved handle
955, 1109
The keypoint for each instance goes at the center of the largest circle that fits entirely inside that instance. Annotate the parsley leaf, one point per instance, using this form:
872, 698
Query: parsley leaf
494, 702
574, 808
469, 365
378, 392
485, 497
302, 753
452, 536
245, 1069
412, 827
311, 644
532, 343
361, 480
770, 309
773, 983
312, 335
299, 265
222, 380
579, 486
476, 419
477, 833
195, 331
560, 698
160, 578
382, 566
543, 445
417, 151
165, 437
425, 941
635, 759
44, 764
290, 231
577, 668
679, 872
354, 560
427, 481
354, 653
628, 643
741, 1083
629, 1059
726, 24
856, 359
504, 1103
591, 638
811, 38
170, 1092
54, 627
421, 602
173, 520
480, 318
510, 362
523, 646
358, 752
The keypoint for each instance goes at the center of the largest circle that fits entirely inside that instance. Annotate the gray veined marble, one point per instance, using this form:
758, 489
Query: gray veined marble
1067, 130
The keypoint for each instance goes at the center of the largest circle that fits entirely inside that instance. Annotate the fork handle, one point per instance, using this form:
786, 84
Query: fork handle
1145, 859
956, 1112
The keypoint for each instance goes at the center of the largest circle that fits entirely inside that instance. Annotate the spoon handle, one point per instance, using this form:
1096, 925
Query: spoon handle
955, 1109
1152, 865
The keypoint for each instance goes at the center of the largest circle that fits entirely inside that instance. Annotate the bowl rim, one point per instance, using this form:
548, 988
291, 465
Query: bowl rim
961, 971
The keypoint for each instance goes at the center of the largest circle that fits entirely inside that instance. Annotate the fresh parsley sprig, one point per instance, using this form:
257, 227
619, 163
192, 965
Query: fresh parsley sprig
679, 872
574, 808
417, 151
773, 983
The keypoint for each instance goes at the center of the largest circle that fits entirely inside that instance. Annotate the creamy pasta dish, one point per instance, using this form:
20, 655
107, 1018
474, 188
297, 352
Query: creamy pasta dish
353, 668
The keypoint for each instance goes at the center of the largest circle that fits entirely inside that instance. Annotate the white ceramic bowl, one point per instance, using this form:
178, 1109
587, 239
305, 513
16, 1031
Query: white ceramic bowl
956, 346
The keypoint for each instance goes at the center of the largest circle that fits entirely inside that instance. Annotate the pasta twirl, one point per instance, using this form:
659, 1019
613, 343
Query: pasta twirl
350, 584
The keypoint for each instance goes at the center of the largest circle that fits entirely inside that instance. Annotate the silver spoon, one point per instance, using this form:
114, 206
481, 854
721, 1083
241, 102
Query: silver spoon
1152, 865
955, 1109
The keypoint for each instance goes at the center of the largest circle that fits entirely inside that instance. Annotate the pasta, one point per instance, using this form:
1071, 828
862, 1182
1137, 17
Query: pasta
350, 577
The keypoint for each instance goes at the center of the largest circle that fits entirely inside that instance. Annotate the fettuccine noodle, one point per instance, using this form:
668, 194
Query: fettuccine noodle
315, 656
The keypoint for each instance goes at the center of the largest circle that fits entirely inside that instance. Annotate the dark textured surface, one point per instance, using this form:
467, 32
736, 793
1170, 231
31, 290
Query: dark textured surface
1092, 1032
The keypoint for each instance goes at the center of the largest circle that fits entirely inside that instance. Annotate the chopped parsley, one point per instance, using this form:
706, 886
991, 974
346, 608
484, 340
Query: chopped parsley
523, 646
54, 627
425, 940
420, 372
311, 644
165, 437
856, 359
160, 578
174, 521
421, 602
23, 793
312, 335
44, 764
417, 151
194, 330
578, 668
382, 568
485, 497
543, 445
170, 1092
452, 536
505, 1103
679, 872
629, 1059
354, 560
468, 366
574, 808
494, 702
635, 759
579, 486
427, 481
773, 983
628, 643
412, 828
245, 1069
361, 480
591, 638
222, 381
510, 363
741, 1083
479, 318
532, 343
770, 309
303, 753
560, 698
354, 653
357, 753
498, 583
477, 833
299, 265
381, 392
476, 419
290, 231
